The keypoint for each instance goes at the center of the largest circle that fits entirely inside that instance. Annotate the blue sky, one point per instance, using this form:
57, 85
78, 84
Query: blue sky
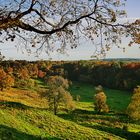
85, 50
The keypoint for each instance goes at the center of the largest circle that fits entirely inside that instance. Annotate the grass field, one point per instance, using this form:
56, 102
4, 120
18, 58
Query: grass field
24, 116
117, 100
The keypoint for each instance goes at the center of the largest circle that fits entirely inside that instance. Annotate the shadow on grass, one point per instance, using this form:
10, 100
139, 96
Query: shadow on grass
14, 105
17, 105
8, 133
82, 115
116, 131
77, 114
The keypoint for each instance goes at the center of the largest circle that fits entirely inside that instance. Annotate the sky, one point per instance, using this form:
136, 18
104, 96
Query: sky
85, 50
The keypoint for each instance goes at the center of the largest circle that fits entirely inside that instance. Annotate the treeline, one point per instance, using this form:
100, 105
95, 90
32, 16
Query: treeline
21, 73
117, 75
113, 74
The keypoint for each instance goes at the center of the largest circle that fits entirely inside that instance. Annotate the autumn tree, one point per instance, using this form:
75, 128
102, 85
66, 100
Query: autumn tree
100, 100
2, 78
41, 74
33, 70
6, 80
9, 70
133, 109
9, 81
44, 23
136, 34
23, 73
58, 94
23, 79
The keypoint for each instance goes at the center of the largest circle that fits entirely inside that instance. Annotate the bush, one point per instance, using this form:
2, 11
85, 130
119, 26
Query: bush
133, 109
100, 103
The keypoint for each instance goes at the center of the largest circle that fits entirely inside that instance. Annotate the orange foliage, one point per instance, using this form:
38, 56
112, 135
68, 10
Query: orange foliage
132, 65
33, 70
24, 73
9, 81
41, 74
48, 67
6, 81
10, 70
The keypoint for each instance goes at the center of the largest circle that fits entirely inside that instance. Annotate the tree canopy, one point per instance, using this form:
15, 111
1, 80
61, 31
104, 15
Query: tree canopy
58, 94
133, 109
55, 24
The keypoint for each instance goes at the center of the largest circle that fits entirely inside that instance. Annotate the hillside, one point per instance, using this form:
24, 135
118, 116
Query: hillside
19, 121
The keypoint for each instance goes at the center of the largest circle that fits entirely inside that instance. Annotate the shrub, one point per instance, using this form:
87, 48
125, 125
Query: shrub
78, 98
100, 103
133, 109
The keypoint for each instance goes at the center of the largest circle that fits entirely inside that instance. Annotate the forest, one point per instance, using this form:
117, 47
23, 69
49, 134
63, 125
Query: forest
111, 74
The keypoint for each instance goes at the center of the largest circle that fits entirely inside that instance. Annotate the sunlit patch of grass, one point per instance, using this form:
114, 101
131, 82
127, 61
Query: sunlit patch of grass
23, 114
117, 100
36, 123
26, 97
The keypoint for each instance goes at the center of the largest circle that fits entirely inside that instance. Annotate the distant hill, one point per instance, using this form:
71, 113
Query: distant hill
122, 59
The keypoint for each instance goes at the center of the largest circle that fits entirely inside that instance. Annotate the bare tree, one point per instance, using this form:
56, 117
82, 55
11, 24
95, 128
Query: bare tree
49, 24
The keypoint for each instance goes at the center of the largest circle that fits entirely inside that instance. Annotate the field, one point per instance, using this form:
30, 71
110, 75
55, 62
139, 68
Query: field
24, 116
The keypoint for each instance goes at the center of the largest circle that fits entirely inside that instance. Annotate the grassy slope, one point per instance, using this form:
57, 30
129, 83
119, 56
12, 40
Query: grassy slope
27, 97
116, 99
19, 121
112, 122
24, 116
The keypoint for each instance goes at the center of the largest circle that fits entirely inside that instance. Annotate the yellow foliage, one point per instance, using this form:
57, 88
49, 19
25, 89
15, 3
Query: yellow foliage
133, 109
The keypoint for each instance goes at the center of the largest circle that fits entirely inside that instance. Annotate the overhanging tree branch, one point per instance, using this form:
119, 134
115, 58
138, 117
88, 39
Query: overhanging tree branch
66, 22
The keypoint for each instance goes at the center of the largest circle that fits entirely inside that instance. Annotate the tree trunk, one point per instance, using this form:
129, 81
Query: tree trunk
55, 106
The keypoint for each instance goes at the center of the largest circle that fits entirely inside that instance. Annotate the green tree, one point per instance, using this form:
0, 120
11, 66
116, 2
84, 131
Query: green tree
58, 94
133, 109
